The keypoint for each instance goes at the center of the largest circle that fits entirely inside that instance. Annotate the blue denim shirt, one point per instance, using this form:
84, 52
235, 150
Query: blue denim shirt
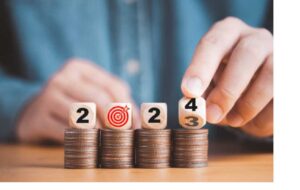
148, 43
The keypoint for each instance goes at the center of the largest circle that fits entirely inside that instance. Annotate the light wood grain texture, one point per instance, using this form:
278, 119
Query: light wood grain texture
154, 115
192, 119
118, 116
84, 110
31, 163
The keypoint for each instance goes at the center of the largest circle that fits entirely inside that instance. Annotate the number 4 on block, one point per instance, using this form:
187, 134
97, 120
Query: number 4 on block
83, 115
192, 112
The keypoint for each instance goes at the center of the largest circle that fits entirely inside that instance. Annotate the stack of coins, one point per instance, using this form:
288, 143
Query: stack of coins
153, 148
190, 148
117, 148
81, 148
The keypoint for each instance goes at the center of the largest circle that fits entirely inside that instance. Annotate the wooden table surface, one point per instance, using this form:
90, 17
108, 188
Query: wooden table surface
38, 163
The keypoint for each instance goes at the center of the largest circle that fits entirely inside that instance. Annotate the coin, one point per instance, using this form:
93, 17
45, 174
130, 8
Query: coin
153, 156
117, 148
190, 148
153, 132
116, 166
153, 160
191, 143
194, 153
116, 133
117, 159
190, 165
81, 148
153, 165
153, 140
153, 151
153, 148
190, 138
191, 131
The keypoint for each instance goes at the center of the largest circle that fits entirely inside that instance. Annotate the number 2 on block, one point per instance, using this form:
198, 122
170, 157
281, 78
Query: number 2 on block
154, 118
82, 118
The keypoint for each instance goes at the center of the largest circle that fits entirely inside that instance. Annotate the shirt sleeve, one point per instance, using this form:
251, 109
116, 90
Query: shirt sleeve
14, 94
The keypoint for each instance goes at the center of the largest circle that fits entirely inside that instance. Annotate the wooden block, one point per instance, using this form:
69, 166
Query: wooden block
83, 115
118, 116
154, 115
192, 112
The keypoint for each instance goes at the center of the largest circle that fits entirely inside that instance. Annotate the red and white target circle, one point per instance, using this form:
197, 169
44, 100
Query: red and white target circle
118, 116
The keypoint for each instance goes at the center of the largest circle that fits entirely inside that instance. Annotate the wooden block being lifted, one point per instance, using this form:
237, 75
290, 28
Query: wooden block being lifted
82, 115
154, 115
118, 116
192, 112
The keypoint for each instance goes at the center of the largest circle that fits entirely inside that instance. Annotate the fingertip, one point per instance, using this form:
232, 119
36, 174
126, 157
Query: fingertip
214, 113
136, 126
98, 125
192, 87
136, 123
234, 119
136, 118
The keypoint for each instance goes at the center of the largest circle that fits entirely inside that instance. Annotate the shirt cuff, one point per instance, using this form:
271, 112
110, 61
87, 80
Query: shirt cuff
14, 95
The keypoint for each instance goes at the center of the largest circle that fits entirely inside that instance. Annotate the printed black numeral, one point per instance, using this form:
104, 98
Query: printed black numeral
191, 104
154, 118
82, 118
192, 121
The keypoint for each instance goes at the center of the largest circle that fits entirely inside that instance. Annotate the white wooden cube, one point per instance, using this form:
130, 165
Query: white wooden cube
192, 112
118, 116
154, 115
83, 115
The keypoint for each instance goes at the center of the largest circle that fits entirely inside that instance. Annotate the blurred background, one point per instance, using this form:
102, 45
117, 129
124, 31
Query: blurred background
147, 43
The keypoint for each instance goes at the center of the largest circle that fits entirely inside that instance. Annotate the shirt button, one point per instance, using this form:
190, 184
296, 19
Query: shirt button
132, 67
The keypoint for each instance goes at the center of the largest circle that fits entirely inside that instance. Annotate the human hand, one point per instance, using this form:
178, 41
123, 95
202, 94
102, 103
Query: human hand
233, 68
46, 116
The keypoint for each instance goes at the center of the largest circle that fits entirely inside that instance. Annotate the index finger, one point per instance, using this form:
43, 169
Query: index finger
210, 51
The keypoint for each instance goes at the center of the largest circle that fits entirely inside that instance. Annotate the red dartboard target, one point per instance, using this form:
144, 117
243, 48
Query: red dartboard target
118, 116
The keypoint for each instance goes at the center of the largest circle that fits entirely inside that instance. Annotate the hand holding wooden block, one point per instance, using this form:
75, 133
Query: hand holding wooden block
154, 115
83, 115
192, 112
119, 116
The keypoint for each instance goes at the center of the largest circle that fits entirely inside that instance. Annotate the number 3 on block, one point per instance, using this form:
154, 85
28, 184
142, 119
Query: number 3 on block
83, 115
192, 112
